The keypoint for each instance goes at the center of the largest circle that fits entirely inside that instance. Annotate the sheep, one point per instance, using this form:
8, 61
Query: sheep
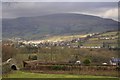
78, 62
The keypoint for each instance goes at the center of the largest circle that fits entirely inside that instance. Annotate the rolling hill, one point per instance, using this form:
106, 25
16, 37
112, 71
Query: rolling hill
55, 24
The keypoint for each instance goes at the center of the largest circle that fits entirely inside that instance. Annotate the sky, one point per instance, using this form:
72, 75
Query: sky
60, 0
30, 9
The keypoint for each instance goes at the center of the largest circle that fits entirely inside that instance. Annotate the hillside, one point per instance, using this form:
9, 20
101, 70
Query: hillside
55, 24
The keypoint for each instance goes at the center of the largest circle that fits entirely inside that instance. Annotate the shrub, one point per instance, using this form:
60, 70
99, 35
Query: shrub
32, 57
91, 49
118, 68
58, 67
87, 61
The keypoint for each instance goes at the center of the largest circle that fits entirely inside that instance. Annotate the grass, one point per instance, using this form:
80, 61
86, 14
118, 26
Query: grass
70, 37
64, 37
109, 33
21, 74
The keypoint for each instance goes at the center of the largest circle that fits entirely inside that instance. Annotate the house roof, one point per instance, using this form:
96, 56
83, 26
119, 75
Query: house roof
115, 60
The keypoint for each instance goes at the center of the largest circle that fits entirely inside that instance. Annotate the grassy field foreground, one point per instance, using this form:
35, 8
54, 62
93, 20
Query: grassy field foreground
21, 74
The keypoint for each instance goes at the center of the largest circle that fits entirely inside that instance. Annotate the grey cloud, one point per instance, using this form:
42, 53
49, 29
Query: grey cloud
60, 0
29, 9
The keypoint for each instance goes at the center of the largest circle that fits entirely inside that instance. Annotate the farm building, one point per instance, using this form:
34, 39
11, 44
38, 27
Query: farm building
115, 61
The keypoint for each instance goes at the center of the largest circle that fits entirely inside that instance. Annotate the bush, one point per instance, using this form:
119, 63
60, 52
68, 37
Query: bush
58, 67
32, 57
118, 68
91, 49
87, 61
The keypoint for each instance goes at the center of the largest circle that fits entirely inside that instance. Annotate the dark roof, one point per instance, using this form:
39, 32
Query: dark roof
115, 60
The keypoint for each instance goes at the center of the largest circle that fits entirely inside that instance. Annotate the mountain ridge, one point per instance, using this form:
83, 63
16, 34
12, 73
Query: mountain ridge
55, 24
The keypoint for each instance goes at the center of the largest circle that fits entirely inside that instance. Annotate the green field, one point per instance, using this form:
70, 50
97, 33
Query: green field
64, 37
21, 74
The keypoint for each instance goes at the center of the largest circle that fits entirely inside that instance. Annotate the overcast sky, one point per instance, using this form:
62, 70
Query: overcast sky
29, 9
60, 0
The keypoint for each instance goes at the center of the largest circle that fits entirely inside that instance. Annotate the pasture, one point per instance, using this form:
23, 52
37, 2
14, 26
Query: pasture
22, 74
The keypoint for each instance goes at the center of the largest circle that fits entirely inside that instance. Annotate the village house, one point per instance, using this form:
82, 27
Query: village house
115, 61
